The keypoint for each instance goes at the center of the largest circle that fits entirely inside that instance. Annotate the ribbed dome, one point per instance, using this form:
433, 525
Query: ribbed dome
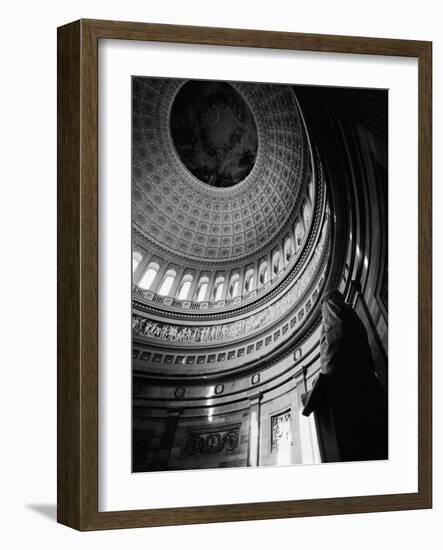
180, 213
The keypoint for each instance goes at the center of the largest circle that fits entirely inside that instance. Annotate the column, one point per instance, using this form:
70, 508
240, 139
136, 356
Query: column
159, 277
256, 274
357, 300
281, 249
168, 437
308, 437
196, 278
211, 278
269, 262
254, 430
226, 285
178, 278
140, 269
295, 249
241, 281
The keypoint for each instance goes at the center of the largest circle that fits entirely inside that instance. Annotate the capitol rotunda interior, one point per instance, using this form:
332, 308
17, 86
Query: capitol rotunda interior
250, 203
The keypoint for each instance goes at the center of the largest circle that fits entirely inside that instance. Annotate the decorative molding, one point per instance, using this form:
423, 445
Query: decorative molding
281, 431
224, 439
208, 334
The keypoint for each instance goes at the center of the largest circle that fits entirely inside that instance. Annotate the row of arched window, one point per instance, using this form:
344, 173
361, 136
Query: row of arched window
185, 285
253, 278
200, 292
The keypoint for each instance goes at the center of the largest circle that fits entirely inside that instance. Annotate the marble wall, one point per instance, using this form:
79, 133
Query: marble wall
254, 420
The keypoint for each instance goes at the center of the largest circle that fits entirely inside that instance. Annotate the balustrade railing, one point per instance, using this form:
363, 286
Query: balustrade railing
194, 305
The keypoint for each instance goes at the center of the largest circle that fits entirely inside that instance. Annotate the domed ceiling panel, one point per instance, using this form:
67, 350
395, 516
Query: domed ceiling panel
181, 213
214, 132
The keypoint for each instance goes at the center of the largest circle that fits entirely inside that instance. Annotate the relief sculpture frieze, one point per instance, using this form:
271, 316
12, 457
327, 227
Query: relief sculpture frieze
217, 441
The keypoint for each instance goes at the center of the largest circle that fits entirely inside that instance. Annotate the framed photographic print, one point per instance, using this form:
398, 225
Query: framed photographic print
244, 274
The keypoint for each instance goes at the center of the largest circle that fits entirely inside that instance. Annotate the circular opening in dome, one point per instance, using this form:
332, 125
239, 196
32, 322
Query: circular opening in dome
214, 132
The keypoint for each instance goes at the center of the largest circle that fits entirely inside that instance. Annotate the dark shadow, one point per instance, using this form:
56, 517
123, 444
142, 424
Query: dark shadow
48, 511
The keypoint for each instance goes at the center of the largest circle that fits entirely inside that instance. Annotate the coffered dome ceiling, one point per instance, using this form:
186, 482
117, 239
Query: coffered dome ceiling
229, 195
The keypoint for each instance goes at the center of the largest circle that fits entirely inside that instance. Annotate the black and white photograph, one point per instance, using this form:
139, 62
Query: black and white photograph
259, 274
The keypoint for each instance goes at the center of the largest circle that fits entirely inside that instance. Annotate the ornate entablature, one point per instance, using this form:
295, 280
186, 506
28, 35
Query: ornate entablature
209, 334
149, 353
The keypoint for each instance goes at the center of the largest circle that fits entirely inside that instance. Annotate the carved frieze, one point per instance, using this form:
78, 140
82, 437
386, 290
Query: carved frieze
281, 434
183, 334
223, 439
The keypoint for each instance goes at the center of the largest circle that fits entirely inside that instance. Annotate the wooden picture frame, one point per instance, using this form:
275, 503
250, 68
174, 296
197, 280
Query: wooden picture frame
78, 274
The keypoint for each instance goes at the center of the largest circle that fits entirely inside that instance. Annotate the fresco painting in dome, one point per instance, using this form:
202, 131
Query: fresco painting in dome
214, 132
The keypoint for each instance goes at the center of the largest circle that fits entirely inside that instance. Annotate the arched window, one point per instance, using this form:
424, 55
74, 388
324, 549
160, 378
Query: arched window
168, 280
149, 276
234, 286
288, 249
185, 287
306, 214
311, 190
136, 259
263, 273
202, 288
249, 280
217, 292
275, 263
299, 232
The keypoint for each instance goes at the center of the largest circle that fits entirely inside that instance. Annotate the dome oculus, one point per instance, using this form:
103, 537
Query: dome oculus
214, 132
